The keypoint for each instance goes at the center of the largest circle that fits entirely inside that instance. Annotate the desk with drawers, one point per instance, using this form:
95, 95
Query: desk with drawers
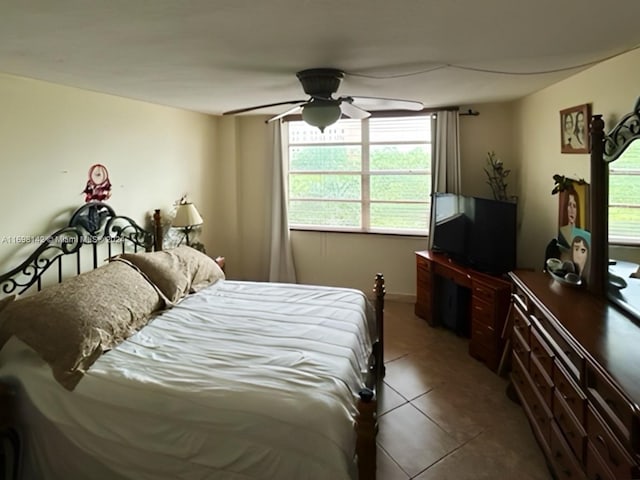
487, 310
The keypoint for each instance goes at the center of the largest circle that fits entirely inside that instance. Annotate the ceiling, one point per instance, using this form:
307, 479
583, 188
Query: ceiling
216, 55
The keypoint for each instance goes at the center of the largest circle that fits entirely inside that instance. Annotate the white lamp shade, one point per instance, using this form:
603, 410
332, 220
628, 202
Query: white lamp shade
321, 114
187, 215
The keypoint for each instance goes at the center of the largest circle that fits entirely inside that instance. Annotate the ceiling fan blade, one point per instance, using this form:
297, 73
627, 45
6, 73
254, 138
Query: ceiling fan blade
248, 109
376, 103
351, 110
291, 111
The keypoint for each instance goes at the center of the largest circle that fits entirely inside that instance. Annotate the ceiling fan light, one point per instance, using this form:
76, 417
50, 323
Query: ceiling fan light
321, 114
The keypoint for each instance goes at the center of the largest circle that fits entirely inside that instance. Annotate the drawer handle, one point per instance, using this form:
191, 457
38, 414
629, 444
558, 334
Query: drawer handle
612, 404
568, 399
613, 459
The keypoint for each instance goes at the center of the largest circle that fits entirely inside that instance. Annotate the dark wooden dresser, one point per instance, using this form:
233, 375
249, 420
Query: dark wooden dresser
576, 369
487, 310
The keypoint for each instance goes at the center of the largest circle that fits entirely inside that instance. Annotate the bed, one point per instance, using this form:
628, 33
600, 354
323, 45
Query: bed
198, 376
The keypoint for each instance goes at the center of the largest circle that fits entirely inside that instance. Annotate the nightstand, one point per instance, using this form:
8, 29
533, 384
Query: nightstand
9, 439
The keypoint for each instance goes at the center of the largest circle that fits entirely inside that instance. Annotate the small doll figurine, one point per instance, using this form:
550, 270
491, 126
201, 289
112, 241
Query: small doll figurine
98, 186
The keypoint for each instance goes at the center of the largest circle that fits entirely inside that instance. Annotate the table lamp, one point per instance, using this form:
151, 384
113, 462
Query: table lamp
187, 217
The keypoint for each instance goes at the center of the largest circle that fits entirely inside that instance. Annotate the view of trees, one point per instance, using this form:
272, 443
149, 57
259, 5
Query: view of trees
399, 186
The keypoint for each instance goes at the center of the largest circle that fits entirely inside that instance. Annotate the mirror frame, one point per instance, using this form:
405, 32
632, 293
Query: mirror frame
606, 148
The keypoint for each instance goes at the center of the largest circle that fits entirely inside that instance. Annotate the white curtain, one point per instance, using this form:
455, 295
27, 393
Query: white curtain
281, 266
445, 156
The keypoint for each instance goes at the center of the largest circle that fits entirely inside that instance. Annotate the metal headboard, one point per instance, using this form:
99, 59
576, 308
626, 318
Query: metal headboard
92, 225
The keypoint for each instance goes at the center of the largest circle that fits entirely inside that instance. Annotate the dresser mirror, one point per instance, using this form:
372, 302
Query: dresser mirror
621, 153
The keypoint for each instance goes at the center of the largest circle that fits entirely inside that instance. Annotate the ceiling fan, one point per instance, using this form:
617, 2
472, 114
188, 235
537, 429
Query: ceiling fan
321, 109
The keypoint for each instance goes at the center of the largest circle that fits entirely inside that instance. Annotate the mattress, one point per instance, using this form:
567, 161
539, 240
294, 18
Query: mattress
243, 380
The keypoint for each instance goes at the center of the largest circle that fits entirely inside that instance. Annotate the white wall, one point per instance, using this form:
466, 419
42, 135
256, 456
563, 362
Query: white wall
50, 135
491, 131
241, 205
612, 88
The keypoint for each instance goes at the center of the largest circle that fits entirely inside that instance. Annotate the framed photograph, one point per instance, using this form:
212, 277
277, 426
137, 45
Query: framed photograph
574, 129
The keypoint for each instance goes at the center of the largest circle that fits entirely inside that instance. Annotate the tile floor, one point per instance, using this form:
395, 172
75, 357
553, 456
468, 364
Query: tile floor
444, 415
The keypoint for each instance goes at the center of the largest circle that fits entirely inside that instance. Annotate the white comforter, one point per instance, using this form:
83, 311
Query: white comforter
240, 381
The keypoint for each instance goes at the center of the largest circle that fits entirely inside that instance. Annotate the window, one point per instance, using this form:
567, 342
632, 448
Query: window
371, 175
624, 197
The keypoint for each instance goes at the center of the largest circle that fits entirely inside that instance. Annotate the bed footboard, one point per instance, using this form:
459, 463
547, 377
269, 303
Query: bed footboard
366, 429
378, 348
367, 421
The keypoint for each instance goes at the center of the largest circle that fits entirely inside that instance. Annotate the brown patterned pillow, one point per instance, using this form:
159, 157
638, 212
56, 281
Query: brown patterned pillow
164, 269
178, 271
200, 268
71, 324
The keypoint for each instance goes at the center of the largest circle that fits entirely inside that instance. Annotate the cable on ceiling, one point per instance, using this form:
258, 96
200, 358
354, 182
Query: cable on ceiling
487, 70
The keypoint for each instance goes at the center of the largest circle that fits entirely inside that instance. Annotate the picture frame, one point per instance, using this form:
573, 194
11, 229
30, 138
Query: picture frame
574, 203
574, 232
574, 129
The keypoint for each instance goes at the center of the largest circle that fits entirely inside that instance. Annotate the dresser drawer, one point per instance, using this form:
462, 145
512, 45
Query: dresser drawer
520, 348
483, 312
596, 468
541, 381
483, 292
571, 358
610, 450
570, 393
520, 300
424, 280
610, 403
573, 431
565, 463
423, 263
542, 352
483, 334
518, 378
540, 413
520, 323
460, 277
424, 276
424, 293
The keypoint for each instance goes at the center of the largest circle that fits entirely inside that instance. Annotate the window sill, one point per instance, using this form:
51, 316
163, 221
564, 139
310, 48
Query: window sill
360, 232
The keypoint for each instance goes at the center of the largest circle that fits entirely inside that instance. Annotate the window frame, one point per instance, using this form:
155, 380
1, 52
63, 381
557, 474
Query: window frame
621, 240
365, 175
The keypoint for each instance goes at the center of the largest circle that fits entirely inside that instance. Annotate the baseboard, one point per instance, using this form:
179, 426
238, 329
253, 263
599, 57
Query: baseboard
400, 297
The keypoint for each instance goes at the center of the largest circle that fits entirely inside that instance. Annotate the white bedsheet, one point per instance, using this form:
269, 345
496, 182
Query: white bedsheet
241, 381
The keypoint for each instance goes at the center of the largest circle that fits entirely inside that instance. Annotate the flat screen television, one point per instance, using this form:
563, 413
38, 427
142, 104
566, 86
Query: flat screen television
476, 232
